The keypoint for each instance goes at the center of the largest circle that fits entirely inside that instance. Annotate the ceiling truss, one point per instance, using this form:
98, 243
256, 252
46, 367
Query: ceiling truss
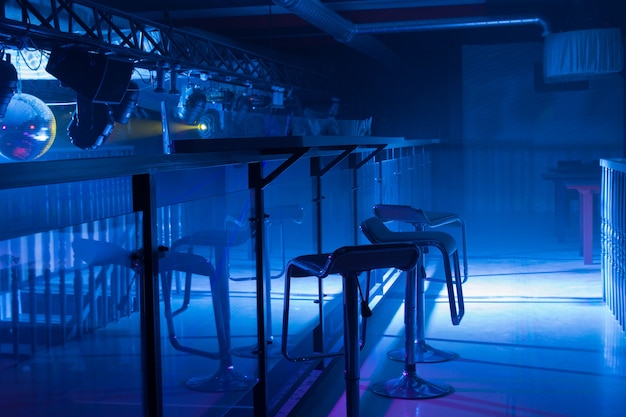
52, 23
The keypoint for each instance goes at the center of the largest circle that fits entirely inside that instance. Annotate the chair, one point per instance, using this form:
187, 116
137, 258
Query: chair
423, 220
226, 378
349, 262
376, 232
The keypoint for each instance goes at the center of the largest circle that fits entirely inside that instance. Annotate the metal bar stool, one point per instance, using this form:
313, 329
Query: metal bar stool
423, 220
226, 378
376, 232
101, 253
349, 262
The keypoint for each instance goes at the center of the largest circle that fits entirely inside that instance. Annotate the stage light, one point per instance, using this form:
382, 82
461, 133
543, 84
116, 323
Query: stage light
28, 129
174, 79
160, 78
191, 105
99, 78
206, 126
91, 124
123, 111
8, 83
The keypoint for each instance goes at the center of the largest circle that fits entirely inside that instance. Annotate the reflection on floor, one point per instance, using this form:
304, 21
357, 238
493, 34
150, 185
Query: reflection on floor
536, 339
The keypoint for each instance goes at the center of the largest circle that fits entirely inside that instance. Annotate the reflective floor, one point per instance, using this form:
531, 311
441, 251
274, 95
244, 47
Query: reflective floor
536, 339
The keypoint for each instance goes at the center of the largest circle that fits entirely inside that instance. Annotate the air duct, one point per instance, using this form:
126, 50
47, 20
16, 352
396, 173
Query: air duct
356, 35
448, 24
341, 29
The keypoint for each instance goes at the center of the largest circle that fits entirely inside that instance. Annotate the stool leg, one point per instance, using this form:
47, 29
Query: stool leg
424, 353
410, 385
226, 378
253, 351
464, 244
351, 343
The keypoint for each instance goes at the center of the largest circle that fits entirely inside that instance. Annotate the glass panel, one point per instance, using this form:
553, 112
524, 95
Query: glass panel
70, 338
208, 283
290, 231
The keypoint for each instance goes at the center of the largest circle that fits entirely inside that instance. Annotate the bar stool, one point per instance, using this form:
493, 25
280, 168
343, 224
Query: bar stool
278, 216
101, 253
226, 378
422, 220
349, 262
376, 232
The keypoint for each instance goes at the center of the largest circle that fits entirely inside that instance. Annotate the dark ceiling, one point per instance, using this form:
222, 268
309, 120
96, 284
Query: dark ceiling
264, 24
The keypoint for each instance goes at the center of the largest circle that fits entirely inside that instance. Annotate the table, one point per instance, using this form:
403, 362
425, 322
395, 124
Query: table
586, 189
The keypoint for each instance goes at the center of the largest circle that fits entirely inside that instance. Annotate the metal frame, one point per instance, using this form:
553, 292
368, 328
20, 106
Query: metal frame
148, 43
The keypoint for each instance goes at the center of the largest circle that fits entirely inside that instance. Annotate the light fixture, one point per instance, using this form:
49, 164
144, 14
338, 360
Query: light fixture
28, 129
91, 124
174, 79
191, 105
206, 125
123, 110
8, 82
160, 78
97, 77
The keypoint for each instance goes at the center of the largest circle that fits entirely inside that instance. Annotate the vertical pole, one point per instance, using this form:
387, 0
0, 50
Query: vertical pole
411, 310
355, 195
318, 332
351, 343
144, 201
255, 181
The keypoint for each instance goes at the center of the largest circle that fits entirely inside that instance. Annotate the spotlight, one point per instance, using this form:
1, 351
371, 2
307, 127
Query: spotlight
174, 79
123, 111
160, 78
191, 105
206, 126
91, 124
8, 83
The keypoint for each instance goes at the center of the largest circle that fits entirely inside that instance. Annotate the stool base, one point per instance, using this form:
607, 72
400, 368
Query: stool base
224, 380
424, 353
410, 387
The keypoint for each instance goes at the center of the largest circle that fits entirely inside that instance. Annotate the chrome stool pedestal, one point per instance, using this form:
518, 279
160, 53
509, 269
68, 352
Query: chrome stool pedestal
410, 385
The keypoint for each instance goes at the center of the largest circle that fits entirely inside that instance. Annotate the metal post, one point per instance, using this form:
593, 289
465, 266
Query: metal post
144, 201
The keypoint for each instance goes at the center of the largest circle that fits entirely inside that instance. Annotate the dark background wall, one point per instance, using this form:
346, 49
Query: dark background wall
500, 125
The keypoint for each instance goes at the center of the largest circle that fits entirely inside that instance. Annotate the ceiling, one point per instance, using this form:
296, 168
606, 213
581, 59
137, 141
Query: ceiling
268, 25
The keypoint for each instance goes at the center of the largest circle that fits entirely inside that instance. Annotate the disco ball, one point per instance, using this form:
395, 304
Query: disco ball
28, 129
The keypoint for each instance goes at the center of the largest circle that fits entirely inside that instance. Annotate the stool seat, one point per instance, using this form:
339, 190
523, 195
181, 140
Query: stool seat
423, 220
382, 234
349, 262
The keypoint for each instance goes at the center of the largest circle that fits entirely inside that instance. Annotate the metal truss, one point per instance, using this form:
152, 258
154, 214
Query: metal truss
54, 23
